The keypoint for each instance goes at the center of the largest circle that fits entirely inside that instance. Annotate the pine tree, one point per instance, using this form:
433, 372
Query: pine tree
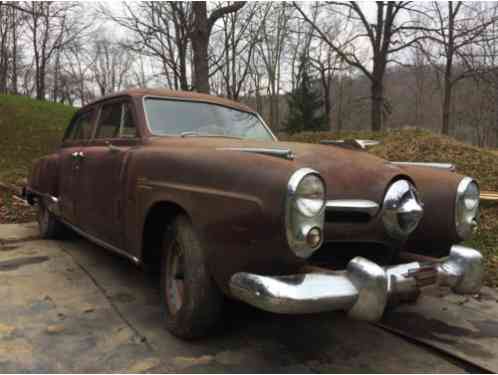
305, 103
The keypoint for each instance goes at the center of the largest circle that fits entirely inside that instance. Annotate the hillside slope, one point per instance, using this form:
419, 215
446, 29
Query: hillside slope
29, 128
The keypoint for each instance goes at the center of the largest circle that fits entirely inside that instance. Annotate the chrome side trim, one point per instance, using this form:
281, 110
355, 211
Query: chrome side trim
361, 144
445, 166
100, 242
353, 205
281, 153
363, 289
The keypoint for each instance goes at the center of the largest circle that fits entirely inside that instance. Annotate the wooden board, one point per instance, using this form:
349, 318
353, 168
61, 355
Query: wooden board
489, 195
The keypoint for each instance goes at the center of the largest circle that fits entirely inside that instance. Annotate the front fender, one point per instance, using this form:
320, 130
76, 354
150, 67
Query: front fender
44, 176
437, 189
237, 210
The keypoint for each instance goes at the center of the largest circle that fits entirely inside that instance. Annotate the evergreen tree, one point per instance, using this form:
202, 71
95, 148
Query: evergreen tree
305, 103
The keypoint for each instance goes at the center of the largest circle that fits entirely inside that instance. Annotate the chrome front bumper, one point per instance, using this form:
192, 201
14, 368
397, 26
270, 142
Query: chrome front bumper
363, 289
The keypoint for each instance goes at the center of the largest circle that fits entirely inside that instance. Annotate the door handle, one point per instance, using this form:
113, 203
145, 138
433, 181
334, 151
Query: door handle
78, 155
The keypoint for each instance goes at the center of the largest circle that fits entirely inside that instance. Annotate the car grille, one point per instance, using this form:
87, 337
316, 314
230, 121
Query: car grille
337, 255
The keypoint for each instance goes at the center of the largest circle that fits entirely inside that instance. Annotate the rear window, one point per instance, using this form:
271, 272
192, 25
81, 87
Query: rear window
109, 121
80, 128
116, 120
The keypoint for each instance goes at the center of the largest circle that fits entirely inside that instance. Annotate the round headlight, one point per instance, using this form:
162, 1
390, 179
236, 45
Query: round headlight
305, 212
310, 195
466, 207
402, 209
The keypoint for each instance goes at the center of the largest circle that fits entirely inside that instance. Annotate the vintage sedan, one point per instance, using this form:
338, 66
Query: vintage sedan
199, 188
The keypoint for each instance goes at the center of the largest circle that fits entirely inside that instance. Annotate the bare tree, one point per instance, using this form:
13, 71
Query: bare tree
274, 35
240, 33
385, 37
52, 25
161, 30
200, 35
11, 20
110, 66
455, 27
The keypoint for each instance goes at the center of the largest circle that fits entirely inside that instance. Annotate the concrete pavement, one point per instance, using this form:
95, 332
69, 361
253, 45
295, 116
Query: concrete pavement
72, 306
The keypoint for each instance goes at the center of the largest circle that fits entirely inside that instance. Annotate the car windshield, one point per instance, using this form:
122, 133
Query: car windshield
188, 118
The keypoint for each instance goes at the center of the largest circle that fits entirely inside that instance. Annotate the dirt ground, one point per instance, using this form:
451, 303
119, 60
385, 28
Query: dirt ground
71, 306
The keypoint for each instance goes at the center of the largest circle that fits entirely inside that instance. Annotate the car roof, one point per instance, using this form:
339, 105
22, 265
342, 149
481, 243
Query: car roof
165, 93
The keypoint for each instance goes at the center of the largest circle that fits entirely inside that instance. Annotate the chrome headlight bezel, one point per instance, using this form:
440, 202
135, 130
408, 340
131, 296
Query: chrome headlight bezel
402, 209
466, 214
300, 218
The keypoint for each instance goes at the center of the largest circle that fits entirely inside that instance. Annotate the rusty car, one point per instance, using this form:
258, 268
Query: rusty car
199, 188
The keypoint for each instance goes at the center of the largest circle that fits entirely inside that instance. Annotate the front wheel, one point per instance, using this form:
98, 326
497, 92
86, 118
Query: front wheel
190, 299
48, 225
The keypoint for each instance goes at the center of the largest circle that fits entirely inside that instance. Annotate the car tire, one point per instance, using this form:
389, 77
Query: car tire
48, 225
190, 299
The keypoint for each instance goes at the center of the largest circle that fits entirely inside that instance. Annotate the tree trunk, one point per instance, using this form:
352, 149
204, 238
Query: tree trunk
200, 44
445, 128
377, 104
496, 117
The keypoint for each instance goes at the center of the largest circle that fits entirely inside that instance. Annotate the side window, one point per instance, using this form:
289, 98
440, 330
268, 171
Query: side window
128, 129
81, 128
109, 121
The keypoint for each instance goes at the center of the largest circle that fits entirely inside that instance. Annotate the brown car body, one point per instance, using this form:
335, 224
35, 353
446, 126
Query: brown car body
123, 192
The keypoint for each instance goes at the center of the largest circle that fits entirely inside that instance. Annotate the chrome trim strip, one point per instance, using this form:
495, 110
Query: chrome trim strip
445, 166
196, 101
281, 153
361, 144
363, 289
353, 205
100, 242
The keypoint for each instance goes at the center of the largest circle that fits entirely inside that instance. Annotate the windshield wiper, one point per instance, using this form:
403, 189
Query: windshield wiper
196, 134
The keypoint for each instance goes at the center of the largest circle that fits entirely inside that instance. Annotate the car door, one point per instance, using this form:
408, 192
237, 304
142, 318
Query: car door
104, 173
70, 156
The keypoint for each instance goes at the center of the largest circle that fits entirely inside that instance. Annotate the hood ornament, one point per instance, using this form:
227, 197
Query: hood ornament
360, 144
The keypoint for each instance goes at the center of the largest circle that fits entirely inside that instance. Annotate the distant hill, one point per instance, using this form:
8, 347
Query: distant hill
29, 128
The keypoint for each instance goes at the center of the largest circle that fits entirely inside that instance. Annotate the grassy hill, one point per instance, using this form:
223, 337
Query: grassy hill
32, 128
29, 129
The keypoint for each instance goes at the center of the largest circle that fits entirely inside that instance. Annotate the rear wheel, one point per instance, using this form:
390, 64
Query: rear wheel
48, 224
190, 299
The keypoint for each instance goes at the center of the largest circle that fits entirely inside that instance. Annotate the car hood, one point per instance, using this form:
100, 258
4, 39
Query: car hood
348, 173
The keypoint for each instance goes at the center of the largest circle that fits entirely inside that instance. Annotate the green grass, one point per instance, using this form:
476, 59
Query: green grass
424, 146
29, 129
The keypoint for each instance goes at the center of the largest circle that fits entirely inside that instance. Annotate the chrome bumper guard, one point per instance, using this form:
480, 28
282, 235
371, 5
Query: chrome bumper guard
363, 289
